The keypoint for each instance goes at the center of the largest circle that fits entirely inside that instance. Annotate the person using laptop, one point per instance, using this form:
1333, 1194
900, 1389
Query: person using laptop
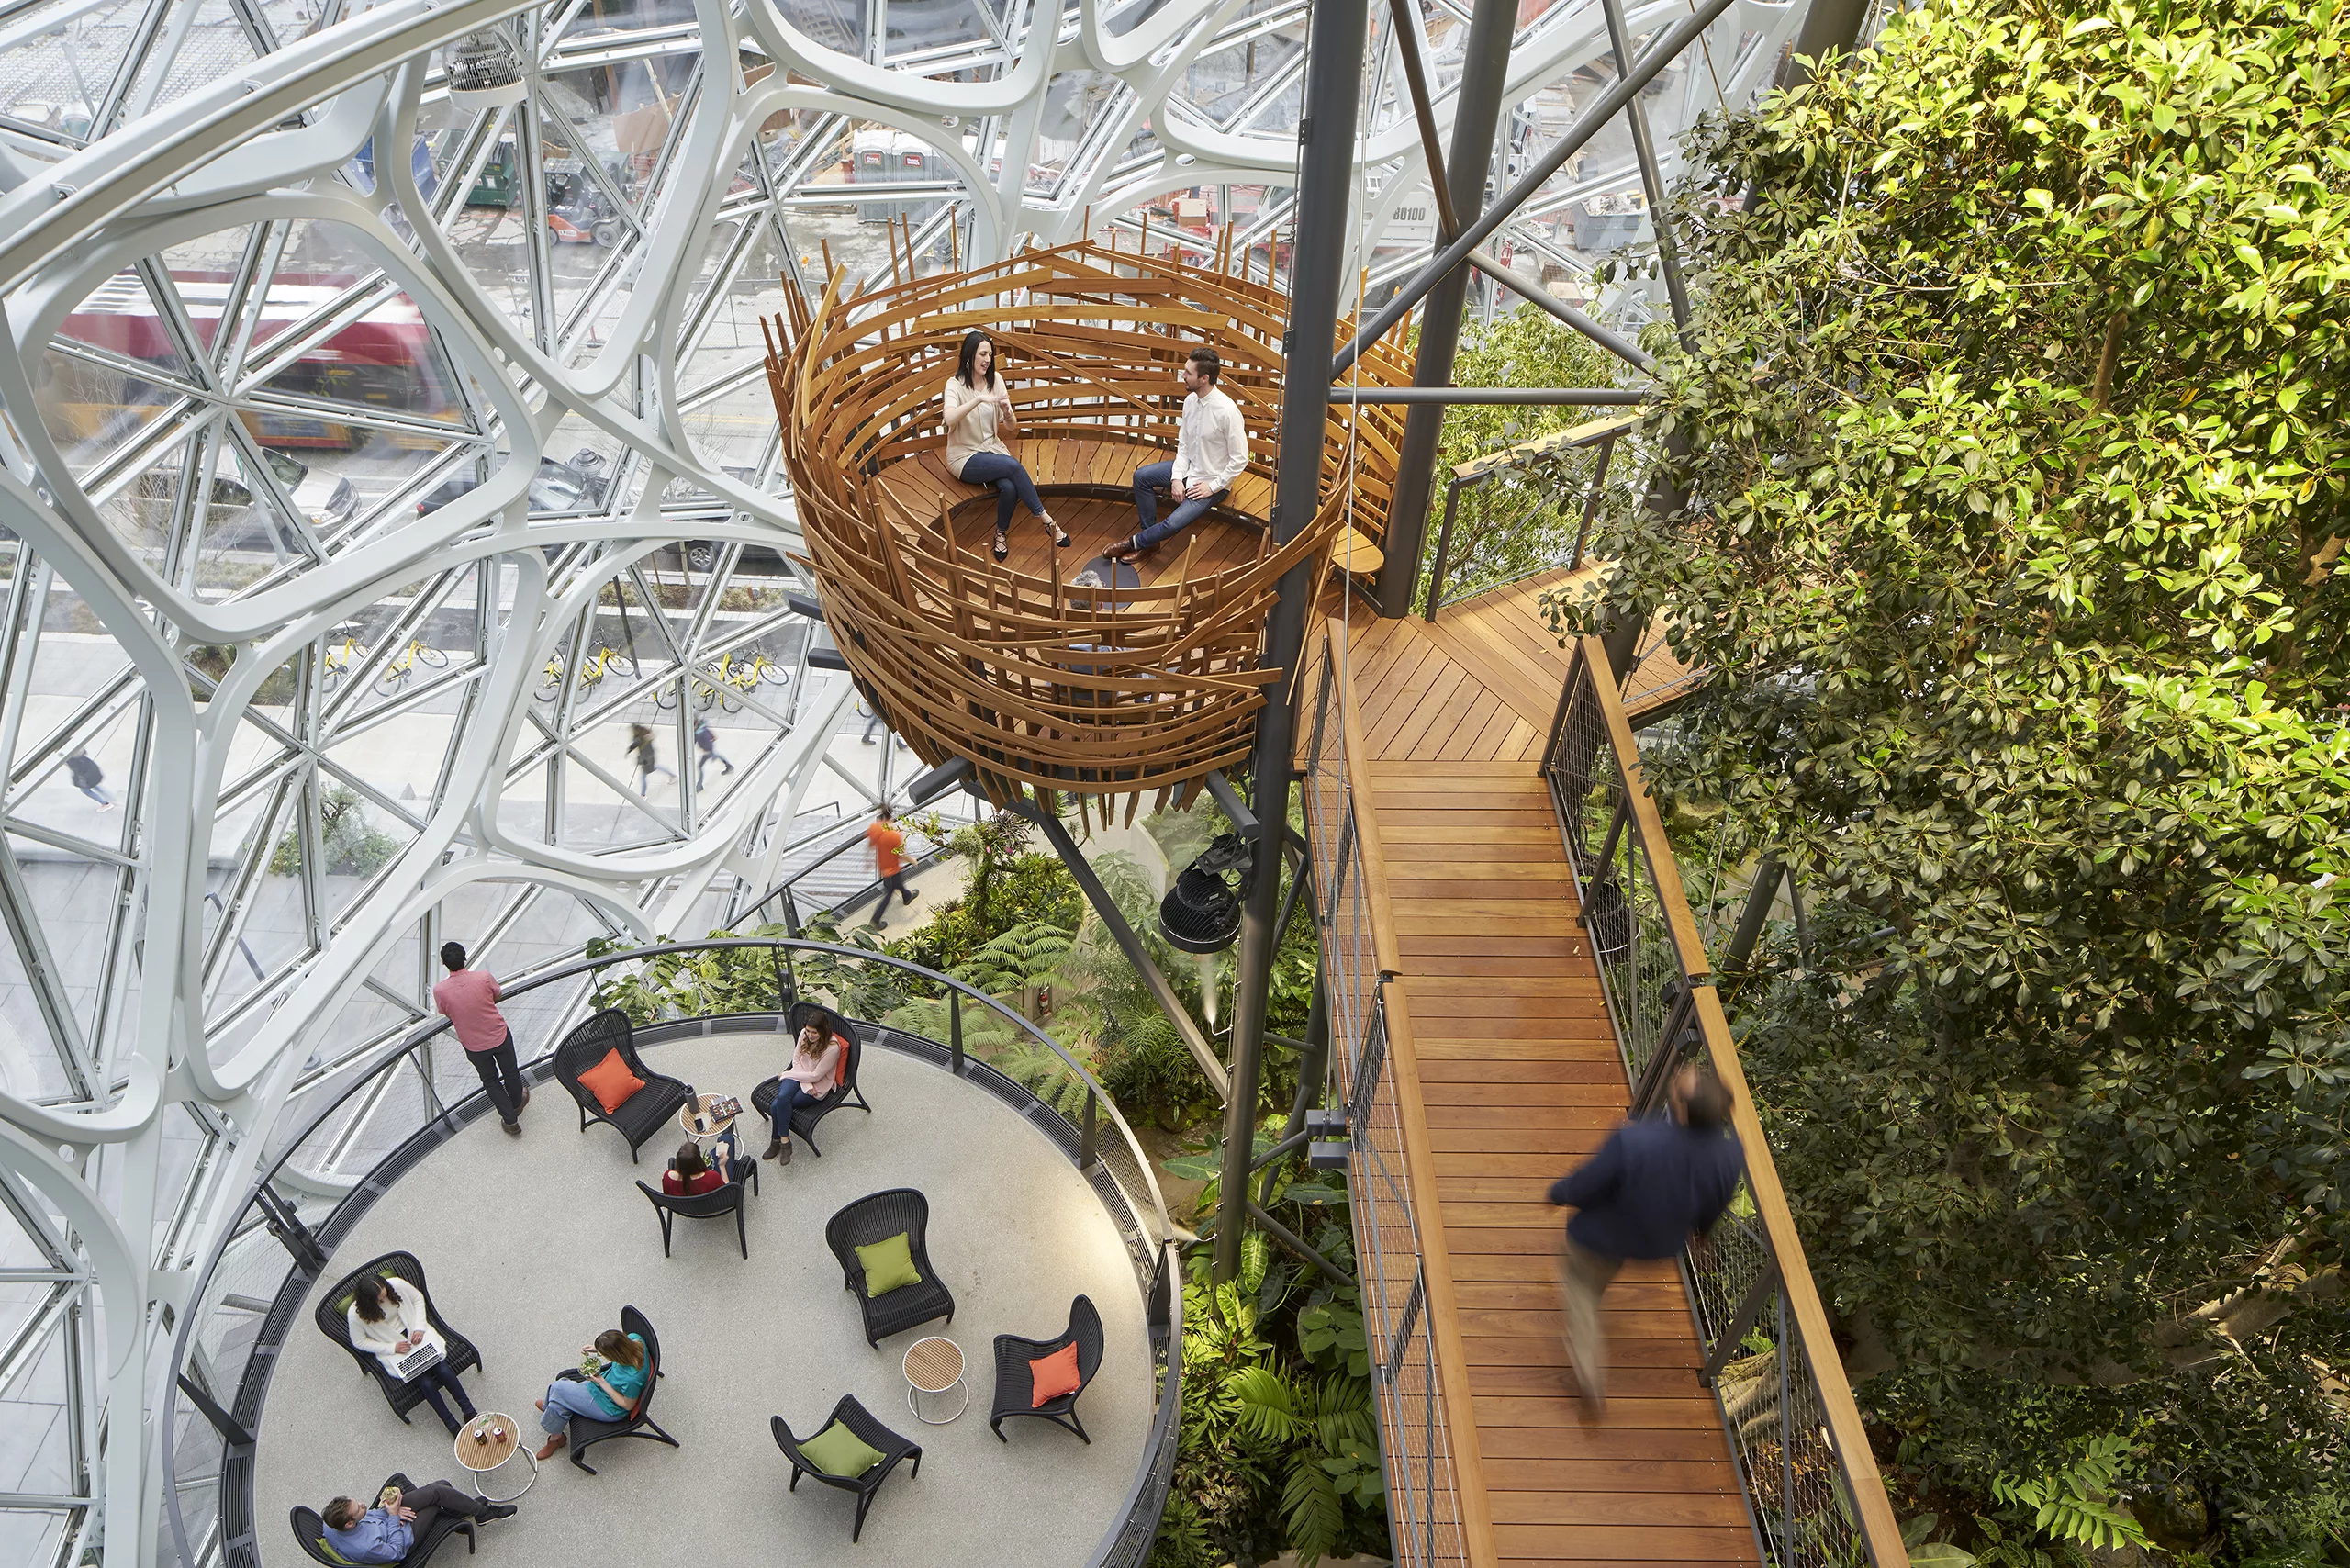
388, 1318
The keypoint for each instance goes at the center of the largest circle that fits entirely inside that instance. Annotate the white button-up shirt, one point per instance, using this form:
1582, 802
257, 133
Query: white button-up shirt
1211, 443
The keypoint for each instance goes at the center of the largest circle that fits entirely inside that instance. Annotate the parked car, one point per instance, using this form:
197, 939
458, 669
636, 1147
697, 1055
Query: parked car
579, 485
325, 502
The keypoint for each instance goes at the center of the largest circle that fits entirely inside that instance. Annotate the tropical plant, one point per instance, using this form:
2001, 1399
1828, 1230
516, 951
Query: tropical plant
1278, 1445
2077, 1504
2015, 480
349, 844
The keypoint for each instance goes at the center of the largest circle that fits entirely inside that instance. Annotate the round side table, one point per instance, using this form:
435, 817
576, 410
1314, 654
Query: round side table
696, 1122
479, 1453
934, 1365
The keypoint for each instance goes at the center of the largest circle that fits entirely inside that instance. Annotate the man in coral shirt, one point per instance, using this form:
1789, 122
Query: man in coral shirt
888, 843
468, 999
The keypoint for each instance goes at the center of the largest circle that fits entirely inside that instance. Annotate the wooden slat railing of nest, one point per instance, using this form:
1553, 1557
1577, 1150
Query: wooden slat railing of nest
1041, 685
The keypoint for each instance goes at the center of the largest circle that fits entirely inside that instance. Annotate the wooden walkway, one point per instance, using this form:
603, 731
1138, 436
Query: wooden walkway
1521, 1078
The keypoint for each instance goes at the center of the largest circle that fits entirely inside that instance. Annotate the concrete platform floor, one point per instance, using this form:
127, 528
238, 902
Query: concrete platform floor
533, 1244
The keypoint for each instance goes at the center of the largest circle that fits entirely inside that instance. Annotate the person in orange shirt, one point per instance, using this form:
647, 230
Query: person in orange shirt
887, 843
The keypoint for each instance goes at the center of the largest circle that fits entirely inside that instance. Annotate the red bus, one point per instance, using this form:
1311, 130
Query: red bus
384, 360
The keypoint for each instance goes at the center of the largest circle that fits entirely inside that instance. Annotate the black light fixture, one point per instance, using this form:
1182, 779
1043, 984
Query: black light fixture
1201, 913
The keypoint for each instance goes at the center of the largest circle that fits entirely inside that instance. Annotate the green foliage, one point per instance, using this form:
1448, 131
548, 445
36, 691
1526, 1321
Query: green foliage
2075, 1504
2018, 468
1280, 1444
349, 845
1526, 519
1018, 890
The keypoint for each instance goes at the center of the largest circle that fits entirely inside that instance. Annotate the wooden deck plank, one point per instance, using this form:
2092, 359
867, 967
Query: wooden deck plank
1520, 1077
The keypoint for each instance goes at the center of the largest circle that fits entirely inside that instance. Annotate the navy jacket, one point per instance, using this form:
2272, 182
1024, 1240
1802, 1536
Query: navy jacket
1651, 1186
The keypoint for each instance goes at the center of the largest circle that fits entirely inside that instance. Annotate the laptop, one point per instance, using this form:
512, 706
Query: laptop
422, 1359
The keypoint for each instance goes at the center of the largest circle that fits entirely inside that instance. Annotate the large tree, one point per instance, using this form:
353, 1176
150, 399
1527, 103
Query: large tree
2016, 485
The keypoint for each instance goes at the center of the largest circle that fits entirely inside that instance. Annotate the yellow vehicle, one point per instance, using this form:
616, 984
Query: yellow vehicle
341, 660
404, 665
604, 661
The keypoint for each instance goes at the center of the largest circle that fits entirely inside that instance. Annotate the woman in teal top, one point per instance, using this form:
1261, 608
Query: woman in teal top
607, 1394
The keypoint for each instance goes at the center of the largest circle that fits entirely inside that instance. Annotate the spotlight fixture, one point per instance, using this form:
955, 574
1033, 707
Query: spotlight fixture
484, 69
1201, 913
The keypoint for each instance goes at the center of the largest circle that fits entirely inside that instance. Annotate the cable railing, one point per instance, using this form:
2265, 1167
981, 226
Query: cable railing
1419, 1372
1810, 1480
1505, 514
358, 1131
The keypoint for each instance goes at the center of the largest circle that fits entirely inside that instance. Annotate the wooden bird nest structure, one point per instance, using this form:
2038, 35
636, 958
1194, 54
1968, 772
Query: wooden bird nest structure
1045, 685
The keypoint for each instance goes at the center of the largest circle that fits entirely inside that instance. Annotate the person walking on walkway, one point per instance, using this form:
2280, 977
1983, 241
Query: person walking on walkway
1211, 449
706, 742
979, 416
888, 843
90, 779
468, 999
1654, 1187
646, 756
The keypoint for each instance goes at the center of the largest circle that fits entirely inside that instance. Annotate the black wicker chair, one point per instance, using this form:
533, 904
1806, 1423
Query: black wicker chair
716, 1204
1014, 1390
878, 1217
642, 1113
872, 1433
334, 1323
311, 1531
805, 1118
586, 1432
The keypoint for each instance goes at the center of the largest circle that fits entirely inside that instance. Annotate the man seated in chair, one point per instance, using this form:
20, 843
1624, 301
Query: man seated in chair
390, 1531
1210, 450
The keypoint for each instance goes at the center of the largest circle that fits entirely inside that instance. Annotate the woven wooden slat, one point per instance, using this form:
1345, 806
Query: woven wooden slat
1037, 686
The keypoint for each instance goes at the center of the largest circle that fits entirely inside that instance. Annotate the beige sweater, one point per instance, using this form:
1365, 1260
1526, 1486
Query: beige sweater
975, 433
378, 1337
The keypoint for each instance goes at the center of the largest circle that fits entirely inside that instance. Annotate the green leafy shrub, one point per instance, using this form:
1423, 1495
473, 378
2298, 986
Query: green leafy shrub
349, 845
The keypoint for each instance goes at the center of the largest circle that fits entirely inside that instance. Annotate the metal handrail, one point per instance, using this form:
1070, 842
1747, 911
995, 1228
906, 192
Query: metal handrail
261, 1192
1480, 471
1804, 1461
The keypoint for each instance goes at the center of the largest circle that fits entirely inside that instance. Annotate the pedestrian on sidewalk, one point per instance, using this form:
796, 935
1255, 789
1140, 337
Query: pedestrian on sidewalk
468, 999
647, 757
706, 742
888, 843
90, 779
1654, 1187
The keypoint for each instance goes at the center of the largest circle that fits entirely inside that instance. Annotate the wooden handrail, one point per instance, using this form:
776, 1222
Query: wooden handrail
1645, 820
1374, 856
1442, 1314
1879, 1529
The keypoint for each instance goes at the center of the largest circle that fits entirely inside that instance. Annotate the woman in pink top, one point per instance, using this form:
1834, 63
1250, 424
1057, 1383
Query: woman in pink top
814, 1072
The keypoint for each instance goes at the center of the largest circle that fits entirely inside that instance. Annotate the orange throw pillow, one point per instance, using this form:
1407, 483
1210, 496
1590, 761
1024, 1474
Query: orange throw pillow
611, 1081
1052, 1376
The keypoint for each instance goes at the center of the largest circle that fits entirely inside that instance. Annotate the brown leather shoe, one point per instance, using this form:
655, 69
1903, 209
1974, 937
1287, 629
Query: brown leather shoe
773, 1148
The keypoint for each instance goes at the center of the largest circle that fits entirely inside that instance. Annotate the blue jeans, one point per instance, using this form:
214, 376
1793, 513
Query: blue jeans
432, 1380
1011, 482
1149, 481
792, 1093
566, 1398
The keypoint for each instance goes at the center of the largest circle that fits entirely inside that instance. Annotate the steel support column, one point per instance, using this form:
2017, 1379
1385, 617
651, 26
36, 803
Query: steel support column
1829, 24
1324, 185
1476, 114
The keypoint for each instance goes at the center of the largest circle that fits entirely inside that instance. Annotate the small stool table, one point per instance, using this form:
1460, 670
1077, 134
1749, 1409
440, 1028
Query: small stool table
934, 1365
480, 1453
707, 1131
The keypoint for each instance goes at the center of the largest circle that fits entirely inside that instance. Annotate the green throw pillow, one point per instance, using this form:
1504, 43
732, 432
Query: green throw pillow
888, 1264
331, 1553
838, 1451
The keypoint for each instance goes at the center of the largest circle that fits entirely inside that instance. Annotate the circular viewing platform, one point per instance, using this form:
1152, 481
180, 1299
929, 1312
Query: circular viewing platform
533, 1244
1040, 675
